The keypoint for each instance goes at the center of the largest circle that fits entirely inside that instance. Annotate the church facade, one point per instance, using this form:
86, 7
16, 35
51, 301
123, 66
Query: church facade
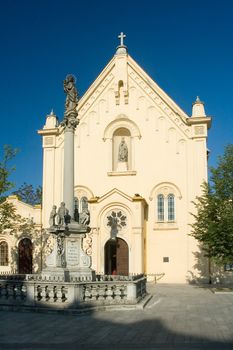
140, 161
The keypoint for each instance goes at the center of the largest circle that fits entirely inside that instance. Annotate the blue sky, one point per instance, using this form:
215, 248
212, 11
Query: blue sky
185, 46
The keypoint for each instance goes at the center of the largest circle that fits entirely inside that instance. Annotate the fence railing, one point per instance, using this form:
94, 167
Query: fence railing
33, 290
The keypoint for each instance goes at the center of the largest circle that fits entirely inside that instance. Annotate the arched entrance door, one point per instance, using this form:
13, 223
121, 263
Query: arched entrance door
116, 254
25, 255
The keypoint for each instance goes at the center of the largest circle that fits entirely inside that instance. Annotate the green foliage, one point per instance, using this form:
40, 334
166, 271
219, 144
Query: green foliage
29, 195
222, 176
6, 170
213, 225
10, 220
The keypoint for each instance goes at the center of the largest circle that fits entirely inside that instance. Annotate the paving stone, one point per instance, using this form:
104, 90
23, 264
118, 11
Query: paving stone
177, 317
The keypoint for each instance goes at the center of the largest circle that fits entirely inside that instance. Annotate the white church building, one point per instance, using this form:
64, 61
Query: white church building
140, 161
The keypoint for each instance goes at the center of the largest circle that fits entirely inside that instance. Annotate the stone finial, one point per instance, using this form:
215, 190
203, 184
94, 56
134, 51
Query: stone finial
51, 121
121, 49
198, 109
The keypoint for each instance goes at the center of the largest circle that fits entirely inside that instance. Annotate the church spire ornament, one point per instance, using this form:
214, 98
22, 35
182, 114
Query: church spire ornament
198, 109
121, 49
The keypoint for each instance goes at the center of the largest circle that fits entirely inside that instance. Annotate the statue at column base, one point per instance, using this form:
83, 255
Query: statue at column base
61, 221
68, 259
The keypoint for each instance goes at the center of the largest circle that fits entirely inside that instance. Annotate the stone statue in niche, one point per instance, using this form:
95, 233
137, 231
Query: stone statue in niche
71, 93
123, 151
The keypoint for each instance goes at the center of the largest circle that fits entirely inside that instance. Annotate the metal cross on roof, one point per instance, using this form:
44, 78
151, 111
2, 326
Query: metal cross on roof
121, 37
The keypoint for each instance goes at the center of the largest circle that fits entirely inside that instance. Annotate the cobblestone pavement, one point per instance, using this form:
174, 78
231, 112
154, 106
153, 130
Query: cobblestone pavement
177, 317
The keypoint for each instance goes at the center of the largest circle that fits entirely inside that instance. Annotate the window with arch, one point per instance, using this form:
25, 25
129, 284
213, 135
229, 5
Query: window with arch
171, 207
121, 150
166, 208
84, 203
80, 204
3, 253
160, 207
165, 197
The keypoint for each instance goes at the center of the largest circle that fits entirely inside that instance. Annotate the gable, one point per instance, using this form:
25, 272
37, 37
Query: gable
115, 195
124, 87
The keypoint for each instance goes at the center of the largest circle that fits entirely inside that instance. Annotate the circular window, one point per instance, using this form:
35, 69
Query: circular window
116, 220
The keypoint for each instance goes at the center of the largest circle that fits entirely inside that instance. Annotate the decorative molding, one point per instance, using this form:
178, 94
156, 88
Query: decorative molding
80, 191
178, 119
122, 173
161, 226
121, 121
165, 188
87, 243
94, 95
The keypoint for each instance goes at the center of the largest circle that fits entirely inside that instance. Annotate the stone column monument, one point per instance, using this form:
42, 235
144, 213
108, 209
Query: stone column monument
67, 258
69, 123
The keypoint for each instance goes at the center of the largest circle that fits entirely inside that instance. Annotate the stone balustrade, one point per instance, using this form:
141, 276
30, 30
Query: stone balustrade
34, 290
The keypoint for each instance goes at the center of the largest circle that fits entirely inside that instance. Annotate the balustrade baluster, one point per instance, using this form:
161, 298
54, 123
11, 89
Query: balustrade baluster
109, 294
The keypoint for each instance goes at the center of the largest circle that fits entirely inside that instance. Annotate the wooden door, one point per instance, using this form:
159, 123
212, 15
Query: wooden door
25, 256
110, 257
116, 257
122, 257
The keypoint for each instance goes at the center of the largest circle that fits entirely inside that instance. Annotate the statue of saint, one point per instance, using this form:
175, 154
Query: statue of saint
71, 93
123, 151
67, 217
76, 215
61, 214
52, 217
85, 217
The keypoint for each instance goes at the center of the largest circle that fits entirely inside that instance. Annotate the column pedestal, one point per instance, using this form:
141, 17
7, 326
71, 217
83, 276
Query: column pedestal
68, 261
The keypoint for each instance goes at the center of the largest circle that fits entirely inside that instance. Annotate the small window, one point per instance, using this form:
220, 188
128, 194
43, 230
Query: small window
160, 200
84, 204
3, 253
165, 208
171, 207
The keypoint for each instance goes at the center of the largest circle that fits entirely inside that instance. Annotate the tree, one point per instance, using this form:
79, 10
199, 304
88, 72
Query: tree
6, 170
9, 219
12, 222
29, 195
213, 225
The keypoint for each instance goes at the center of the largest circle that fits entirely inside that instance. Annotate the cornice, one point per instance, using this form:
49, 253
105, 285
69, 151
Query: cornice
200, 120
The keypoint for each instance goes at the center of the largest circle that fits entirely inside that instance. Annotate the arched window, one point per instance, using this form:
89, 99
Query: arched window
3, 253
121, 150
84, 204
160, 207
166, 207
166, 197
171, 207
